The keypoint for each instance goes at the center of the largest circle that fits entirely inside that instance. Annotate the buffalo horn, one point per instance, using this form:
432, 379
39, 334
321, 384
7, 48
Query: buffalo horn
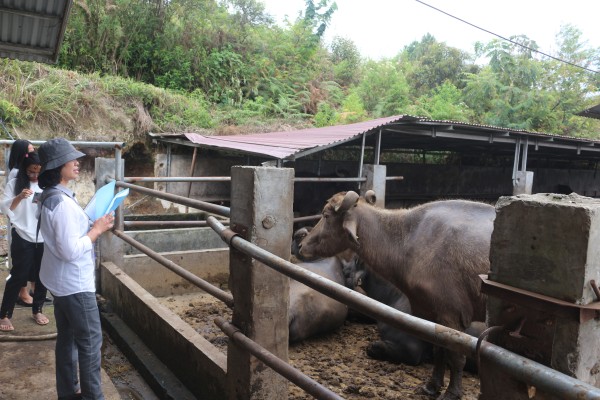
370, 197
349, 200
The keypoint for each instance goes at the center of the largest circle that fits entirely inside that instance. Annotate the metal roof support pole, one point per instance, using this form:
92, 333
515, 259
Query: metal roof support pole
377, 149
524, 154
169, 159
192, 169
516, 160
362, 157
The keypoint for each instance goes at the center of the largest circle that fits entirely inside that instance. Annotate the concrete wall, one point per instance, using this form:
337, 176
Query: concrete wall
211, 265
169, 240
200, 366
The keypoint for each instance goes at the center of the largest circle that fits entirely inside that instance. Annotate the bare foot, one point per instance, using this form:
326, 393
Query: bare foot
25, 296
40, 319
6, 325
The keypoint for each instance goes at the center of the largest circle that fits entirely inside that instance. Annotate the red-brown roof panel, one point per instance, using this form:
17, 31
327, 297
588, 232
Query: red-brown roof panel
283, 145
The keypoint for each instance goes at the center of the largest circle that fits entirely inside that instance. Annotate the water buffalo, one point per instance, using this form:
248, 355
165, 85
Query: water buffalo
433, 253
310, 312
396, 345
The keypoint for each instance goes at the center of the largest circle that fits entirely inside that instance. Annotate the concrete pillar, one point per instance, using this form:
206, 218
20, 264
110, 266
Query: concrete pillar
548, 244
261, 212
375, 175
109, 248
523, 183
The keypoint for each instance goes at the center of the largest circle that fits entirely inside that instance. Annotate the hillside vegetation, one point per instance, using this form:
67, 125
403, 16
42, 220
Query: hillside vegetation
223, 67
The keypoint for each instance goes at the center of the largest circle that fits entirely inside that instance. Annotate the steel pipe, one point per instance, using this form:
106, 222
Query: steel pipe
132, 179
201, 205
168, 224
225, 297
540, 376
284, 369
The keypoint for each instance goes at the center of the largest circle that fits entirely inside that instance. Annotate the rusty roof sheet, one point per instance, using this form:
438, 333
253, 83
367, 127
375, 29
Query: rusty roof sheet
291, 144
397, 132
32, 30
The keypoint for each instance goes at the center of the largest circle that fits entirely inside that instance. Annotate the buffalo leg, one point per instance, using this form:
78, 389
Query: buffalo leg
436, 380
456, 361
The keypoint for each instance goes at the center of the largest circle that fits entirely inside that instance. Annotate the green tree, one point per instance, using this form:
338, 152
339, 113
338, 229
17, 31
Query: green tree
346, 61
429, 63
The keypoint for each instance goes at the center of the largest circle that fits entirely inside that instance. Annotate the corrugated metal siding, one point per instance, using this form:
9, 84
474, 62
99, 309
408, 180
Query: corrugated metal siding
284, 145
32, 30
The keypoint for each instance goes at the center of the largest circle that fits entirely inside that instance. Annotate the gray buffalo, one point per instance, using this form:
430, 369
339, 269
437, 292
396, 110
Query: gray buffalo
433, 253
310, 312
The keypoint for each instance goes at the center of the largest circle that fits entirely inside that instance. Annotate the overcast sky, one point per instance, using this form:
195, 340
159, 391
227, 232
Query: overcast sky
381, 28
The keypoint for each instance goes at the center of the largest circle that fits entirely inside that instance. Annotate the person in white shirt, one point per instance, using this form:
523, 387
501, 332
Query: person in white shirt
18, 150
68, 272
19, 203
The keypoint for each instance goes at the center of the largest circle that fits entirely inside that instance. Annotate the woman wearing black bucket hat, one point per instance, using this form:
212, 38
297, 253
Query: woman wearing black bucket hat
68, 272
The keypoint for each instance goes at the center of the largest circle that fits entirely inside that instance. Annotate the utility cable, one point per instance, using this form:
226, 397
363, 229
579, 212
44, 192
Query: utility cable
507, 39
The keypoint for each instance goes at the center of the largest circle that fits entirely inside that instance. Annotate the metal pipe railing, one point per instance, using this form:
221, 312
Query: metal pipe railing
521, 368
168, 224
134, 179
225, 297
304, 382
201, 205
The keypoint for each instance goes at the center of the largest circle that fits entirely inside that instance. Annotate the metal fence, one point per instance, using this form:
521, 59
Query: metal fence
520, 368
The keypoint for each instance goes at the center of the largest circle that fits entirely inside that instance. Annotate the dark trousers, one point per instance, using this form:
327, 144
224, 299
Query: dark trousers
26, 262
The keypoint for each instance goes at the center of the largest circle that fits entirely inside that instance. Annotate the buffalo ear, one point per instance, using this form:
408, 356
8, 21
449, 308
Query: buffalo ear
350, 228
370, 197
349, 200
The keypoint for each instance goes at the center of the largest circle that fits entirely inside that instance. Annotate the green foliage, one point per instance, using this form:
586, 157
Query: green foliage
346, 61
325, 116
353, 109
444, 103
9, 113
383, 89
429, 63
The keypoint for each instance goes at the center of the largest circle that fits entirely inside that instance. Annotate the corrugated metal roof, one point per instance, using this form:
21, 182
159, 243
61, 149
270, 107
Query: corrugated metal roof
32, 30
398, 132
291, 144
592, 112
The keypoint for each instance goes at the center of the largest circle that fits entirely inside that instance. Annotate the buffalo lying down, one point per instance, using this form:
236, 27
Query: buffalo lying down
433, 253
310, 312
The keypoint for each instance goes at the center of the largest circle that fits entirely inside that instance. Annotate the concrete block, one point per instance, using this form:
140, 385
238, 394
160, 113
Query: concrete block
548, 244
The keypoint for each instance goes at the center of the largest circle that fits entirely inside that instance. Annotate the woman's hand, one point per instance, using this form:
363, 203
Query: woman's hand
25, 193
101, 225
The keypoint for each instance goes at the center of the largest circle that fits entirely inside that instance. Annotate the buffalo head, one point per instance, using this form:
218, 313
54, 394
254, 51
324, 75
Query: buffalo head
336, 230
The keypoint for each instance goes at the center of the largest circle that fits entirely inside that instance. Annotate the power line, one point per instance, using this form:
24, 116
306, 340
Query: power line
507, 39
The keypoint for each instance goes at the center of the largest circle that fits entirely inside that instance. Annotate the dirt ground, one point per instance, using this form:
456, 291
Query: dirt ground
337, 360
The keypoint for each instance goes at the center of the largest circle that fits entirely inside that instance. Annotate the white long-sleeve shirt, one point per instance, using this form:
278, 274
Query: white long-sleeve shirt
24, 217
68, 263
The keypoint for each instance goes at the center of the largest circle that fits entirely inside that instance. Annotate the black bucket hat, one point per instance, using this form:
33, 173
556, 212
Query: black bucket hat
57, 152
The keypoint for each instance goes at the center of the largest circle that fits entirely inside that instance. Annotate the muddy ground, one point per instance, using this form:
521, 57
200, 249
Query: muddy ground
337, 360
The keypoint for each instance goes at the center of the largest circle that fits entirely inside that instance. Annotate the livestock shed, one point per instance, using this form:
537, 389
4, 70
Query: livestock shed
32, 30
436, 159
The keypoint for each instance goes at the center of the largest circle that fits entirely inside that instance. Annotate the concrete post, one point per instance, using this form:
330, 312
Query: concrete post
547, 244
109, 247
523, 183
261, 212
375, 175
